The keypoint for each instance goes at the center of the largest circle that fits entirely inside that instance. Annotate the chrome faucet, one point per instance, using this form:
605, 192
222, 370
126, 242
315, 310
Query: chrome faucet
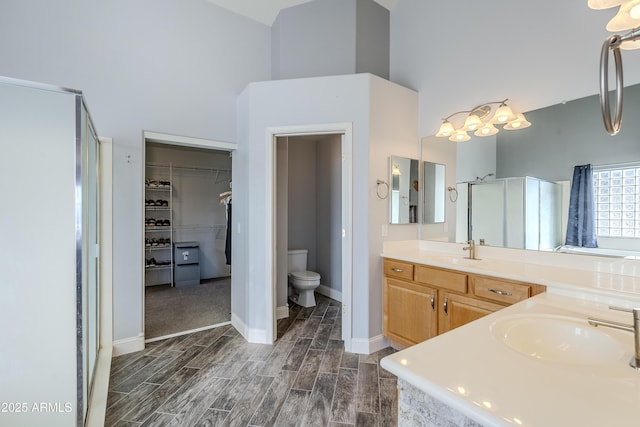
471, 248
635, 328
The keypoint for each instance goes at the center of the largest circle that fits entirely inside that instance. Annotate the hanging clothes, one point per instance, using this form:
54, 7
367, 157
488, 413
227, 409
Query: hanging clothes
227, 246
225, 198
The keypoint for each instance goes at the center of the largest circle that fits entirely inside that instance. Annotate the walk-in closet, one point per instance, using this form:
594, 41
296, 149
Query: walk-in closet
187, 205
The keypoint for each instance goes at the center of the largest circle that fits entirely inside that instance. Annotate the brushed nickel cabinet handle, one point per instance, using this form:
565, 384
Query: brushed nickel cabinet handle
499, 292
446, 303
397, 270
433, 302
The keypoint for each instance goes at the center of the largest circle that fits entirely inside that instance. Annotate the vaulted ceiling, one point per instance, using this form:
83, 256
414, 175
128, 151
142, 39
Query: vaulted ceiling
266, 11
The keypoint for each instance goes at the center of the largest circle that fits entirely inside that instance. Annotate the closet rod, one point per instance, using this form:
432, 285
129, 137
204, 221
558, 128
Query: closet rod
192, 168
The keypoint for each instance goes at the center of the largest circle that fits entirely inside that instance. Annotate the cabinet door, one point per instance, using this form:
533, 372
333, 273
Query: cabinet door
410, 311
457, 310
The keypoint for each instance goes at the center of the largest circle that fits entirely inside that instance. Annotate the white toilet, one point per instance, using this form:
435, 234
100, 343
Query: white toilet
303, 282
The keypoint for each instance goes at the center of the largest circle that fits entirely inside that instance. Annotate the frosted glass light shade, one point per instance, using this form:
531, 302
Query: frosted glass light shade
520, 122
472, 123
446, 129
459, 136
630, 45
604, 4
503, 115
487, 130
628, 17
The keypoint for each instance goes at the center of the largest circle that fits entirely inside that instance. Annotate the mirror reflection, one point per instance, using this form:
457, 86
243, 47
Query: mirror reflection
403, 190
433, 184
495, 211
562, 137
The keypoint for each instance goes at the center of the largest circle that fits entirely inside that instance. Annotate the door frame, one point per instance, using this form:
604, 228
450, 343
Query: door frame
184, 141
272, 133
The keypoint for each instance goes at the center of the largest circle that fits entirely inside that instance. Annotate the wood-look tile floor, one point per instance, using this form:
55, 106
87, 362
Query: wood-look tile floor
216, 378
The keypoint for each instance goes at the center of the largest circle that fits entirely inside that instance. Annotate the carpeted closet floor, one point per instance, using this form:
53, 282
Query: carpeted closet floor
170, 310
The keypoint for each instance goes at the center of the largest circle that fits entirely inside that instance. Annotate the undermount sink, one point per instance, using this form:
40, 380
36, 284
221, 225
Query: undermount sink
558, 339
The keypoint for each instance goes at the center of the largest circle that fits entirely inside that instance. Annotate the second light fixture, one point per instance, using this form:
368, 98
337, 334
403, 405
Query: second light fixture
480, 121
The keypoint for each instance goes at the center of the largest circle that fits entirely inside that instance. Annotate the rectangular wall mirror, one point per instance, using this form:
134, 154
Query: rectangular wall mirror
404, 187
433, 187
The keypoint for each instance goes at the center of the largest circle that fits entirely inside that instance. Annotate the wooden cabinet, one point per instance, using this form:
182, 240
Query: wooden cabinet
420, 302
410, 314
457, 310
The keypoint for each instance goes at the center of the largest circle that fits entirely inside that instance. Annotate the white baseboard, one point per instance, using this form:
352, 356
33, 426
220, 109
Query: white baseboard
330, 292
282, 312
258, 336
128, 345
368, 346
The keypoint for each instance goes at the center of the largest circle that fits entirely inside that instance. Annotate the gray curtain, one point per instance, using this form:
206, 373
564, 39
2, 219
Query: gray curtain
581, 227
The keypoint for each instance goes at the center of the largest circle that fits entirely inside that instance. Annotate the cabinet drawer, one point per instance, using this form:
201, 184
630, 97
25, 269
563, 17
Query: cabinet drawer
441, 278
500, 290
393, 268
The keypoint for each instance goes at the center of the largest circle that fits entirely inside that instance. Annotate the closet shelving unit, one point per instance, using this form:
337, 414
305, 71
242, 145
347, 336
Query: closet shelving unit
158, 227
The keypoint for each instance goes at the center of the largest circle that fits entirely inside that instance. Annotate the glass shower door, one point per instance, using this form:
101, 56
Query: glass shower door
90, 285
486, 201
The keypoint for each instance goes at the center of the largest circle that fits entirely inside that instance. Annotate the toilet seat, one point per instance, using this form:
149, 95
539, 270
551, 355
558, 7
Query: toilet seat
305, 275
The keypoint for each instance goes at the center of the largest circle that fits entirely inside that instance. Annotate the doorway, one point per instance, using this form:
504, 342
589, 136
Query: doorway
309, 210
333, 255
187, 201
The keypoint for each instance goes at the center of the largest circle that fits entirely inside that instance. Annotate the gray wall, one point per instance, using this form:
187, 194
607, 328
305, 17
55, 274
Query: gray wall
159, 65
329, 211
330, 37
302, 197
565, 135
372, 38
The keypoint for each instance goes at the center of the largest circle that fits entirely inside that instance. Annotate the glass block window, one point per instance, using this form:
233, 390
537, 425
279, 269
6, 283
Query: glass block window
617, 199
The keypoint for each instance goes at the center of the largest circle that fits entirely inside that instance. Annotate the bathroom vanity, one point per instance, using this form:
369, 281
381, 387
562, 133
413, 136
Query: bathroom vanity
421, 301
528, 359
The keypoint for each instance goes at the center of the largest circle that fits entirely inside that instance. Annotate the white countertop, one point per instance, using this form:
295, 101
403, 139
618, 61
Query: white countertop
602, 279
472, 371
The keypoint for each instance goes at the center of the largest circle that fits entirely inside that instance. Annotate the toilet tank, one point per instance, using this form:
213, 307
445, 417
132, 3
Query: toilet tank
297, 260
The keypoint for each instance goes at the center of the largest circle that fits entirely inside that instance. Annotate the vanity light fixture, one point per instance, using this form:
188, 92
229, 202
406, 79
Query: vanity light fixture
627, 18
481, 122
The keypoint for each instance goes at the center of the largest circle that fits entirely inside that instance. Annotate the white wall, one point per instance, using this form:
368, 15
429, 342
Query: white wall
394, 132
160, 65
461, 53
38, 262
384, 121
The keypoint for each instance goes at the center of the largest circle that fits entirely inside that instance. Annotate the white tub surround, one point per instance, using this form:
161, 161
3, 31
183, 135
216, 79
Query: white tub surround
477, 377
